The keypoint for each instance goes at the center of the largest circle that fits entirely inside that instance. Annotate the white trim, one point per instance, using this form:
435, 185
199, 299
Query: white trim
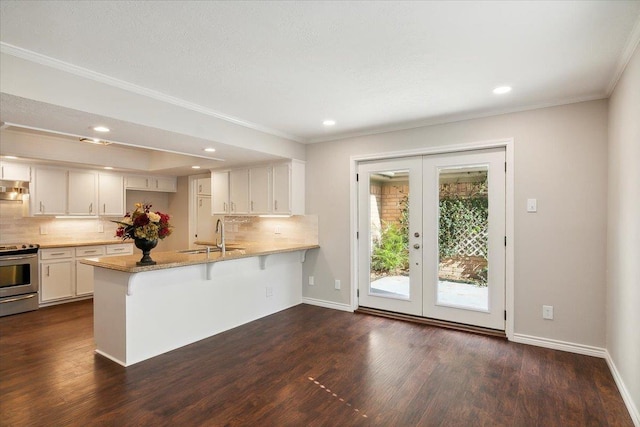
571, 347
327, 304
67, 67
453, 118
625, 57
508, 144
624, 392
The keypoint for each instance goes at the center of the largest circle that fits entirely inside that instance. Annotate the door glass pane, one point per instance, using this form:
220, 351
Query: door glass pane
463, 215
389, 234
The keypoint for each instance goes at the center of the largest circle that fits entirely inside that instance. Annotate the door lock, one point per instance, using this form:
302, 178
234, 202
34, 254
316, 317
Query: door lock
416, 246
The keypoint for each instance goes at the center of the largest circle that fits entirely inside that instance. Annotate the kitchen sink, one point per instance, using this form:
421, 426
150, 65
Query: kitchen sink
212, 249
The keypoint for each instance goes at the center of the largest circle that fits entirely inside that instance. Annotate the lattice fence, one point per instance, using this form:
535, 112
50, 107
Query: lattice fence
472, 241
463, 228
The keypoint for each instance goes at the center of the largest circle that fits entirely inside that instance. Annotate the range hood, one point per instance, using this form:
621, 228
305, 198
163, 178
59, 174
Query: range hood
13, 190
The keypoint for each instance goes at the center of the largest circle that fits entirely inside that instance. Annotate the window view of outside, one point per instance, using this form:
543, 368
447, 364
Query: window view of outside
462, 237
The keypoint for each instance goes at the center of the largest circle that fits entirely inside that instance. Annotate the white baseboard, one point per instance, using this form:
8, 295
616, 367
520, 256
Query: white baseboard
327, 304
560, 345
631, 407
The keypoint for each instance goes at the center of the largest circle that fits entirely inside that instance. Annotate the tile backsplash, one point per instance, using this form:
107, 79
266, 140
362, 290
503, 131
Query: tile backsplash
298, 229
16, 227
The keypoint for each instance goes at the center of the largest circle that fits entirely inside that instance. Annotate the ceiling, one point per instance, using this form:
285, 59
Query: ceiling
281, 68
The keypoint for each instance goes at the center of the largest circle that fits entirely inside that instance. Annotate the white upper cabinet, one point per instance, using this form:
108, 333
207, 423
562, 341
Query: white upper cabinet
220, 193
282, 188
83, 193
239, 191
168, 184
288, 188
76, 192
260, 190
49, 192
110, 194
203, 186
266, 189
15, 172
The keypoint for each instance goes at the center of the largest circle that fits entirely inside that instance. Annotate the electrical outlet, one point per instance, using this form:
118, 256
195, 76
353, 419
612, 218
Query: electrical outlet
269, 291
547, 312
278, 230
44, 230
532, 205
337, 284
311, 281
100, 228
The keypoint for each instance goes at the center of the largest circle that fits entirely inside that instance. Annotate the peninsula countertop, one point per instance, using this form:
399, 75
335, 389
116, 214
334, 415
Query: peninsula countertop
173, 259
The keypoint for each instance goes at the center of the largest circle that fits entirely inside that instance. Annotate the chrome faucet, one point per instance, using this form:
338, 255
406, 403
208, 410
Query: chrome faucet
220, 229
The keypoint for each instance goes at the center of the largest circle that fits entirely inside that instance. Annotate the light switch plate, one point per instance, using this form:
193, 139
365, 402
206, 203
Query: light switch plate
532, 205
547, 312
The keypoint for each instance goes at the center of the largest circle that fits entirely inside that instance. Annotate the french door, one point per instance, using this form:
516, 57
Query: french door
431, 236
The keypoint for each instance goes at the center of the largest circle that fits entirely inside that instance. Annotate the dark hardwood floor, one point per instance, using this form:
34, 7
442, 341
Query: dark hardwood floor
306, 366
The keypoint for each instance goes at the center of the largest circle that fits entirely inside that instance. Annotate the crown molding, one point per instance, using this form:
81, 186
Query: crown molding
630, 47
133, 88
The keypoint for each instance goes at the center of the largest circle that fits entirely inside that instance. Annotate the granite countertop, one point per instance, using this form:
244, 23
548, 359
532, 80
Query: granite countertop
173, 259
79, 244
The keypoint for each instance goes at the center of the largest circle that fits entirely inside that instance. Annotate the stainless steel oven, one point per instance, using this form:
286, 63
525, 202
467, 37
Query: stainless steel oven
19, 278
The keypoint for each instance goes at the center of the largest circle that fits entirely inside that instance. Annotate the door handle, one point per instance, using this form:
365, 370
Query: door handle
416, 234
416, 246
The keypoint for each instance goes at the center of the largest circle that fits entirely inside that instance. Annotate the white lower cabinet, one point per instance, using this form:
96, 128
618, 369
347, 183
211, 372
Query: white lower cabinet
57, 280
64, 278
84, 273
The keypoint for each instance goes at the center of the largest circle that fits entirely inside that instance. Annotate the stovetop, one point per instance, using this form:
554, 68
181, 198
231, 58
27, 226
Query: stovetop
18, 248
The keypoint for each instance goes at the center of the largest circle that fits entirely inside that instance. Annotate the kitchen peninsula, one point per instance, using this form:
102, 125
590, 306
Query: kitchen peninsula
144, 311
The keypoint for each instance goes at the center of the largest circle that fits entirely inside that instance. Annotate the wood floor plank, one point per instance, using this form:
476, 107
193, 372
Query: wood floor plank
306, 366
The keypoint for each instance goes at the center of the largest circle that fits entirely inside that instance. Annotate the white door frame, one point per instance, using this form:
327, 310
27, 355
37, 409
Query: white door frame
508, 144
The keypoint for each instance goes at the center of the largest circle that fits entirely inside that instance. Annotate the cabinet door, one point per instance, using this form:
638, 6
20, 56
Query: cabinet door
50, 192
259, 190
56, 280
110, 195
239, 191
167, 184
204, 222
219, 193
84, 279
83, 193
15, 172
135, 182
204, 186
282, 189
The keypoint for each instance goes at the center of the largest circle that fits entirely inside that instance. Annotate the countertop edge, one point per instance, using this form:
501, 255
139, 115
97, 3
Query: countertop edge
81, 244
186, 259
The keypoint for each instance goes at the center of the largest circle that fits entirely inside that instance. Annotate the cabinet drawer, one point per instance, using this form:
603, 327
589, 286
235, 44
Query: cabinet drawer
121, 249
90, 251
56, 253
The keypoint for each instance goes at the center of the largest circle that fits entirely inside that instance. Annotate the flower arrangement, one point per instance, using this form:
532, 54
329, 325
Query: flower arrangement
144, 224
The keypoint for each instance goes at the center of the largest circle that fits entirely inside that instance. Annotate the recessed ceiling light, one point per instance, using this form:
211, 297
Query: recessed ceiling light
108, 168
501, 90
195, 167
209, 149
101, 129
329, 122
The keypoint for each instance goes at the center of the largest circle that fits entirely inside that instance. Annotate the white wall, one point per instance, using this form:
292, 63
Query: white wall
560, 159
623, 231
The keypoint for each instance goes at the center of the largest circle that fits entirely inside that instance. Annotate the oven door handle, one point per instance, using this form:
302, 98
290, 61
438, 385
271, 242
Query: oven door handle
17, 258
3, 301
